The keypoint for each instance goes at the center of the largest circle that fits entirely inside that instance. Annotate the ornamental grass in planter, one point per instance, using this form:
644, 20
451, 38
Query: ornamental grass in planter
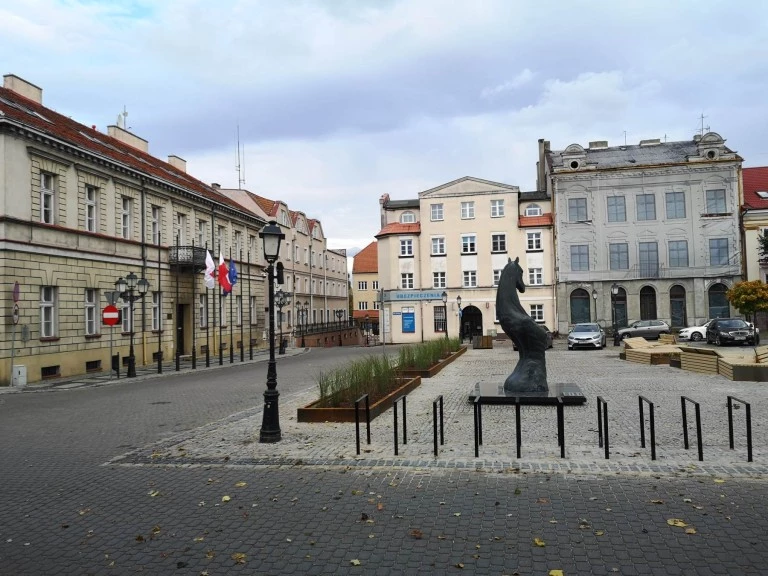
426, 354
373, 375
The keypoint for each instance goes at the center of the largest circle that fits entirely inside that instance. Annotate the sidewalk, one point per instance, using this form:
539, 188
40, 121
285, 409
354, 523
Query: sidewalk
149, 371
598, 373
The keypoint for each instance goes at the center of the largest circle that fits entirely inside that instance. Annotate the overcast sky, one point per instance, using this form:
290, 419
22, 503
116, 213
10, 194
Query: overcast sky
340, 101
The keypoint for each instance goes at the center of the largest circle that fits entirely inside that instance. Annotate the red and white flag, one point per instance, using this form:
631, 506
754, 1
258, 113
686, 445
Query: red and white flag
224, 276
210, 269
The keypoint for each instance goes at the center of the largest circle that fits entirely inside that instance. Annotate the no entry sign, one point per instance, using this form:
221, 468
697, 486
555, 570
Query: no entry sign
110, 316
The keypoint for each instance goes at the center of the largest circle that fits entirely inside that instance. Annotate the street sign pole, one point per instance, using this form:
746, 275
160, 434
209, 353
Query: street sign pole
13, 351
110, 316
16, 292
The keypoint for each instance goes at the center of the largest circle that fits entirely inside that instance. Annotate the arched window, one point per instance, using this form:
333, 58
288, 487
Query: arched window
580, 306
677, 306
718, 303
407, 218
647, 303
533, 210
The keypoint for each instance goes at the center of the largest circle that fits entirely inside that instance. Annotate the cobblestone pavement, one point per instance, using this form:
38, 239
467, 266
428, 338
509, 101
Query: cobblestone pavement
163, 476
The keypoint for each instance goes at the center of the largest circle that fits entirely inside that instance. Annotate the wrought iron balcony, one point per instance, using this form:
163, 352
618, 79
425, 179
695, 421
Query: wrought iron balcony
187, 258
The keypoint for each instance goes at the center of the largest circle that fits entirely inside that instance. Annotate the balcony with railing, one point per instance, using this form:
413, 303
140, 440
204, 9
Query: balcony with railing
186, 258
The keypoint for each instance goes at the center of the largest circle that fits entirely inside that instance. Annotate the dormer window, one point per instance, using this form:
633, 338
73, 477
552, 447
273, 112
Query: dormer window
407, 218
284, 218
762, 194
533, 210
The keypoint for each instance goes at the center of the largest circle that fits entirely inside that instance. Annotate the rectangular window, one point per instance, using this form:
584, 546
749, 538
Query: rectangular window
362, 305
47, 198
203, 310
646, 207
252, 246
438, 246
470, 279
579, 257
535, 276
238, 245
157, 310
154, 223
306, 255
617, 209
435, 212
577, 209
438, 279
718, 251
406, 280
537, 312
181, 230
376, 305
497, 208
498, 242
125, 217
406, 247
440, 323
202, 232
678, 253
675, 205
90, 208
467, 210
468, 244
375, 285
47, 312
239, 311
716, 202
649, 259
220, 238
618, 256
362, 285
91, 301
496, 276
127, 318
252, 312
534, 240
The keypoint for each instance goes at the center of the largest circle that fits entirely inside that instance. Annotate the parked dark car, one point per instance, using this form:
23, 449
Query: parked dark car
730, 331
648, 329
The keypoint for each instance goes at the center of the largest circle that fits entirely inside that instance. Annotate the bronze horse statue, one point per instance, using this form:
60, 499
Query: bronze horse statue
530, 374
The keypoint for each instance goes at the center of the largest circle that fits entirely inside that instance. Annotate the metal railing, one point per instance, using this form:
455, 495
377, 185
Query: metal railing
193, 256
602, 426
683, 400
652, 423
731, 400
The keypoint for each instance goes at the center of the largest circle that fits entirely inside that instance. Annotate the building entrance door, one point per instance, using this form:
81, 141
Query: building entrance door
180, 310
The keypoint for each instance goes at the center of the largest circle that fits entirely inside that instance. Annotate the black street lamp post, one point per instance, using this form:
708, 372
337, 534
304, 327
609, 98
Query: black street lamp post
271, 236
339, 314
458, 303
445, 308
365, 329
614, 293
126, 287
281, 299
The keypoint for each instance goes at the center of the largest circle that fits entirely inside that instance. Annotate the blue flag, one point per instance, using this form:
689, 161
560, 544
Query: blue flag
232, 273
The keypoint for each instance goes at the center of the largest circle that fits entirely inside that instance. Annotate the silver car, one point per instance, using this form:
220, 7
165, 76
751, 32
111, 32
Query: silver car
588, 335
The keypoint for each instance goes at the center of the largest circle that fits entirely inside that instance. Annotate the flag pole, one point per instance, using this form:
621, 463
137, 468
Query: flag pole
231, 317
250, 311
221, 320
240, 310
176, 303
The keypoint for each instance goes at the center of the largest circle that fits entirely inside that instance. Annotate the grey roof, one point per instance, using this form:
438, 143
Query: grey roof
534, 195
635, 155
397, 204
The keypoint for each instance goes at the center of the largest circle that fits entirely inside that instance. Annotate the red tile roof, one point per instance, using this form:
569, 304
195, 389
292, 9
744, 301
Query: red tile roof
269, 206
361, 314
367, 260
528, 221
755, 180
397, 228
29, 113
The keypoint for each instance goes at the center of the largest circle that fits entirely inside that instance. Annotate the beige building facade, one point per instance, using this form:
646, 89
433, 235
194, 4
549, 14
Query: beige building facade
455, 239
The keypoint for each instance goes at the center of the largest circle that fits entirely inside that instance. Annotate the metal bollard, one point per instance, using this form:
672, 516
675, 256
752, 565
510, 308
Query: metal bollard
640, 401
602, 426
683, 400
731, 400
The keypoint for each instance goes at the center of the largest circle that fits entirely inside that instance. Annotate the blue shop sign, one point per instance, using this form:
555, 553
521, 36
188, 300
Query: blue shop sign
406, 295
409, 322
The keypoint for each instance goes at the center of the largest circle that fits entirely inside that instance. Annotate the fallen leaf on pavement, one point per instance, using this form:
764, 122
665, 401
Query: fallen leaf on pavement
355, 562
238, 557
241, 484
380, 506
539, 542
677, 522
225, 498
657, 501
416, 533
690, 530
719, 481
555, 573
154, 493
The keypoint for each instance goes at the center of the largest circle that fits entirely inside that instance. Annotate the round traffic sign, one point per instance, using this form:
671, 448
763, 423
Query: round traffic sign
110, 316
15, 313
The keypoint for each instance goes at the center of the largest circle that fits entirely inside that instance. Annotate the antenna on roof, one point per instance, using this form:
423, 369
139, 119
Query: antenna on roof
240, 167
121, 119
702, 123
625, 137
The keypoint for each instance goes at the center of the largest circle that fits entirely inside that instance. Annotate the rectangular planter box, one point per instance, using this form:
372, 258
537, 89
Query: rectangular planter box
428, 373
314, 413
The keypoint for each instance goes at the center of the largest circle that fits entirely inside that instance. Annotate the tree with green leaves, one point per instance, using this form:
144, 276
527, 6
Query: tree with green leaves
762, 245
749, 297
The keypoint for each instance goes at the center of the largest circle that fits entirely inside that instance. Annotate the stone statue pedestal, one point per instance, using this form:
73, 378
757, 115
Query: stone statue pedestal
492, 392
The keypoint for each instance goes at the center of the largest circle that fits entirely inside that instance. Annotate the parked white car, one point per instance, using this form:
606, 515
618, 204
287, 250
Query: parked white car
694, 333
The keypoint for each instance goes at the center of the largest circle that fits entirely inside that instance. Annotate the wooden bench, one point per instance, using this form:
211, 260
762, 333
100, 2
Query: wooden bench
753, 367
701, 360
667, 339
653, 355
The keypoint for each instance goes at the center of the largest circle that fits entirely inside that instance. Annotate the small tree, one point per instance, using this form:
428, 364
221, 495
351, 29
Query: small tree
762, 245
749, 297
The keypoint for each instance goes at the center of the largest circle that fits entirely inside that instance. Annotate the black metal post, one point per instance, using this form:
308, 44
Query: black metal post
476, 414
131, 357
270, 426
642, 399
194, 305
159, 311
250, 312
179, 321
394, 412
697, 408
561, 425
518, 427
602, 425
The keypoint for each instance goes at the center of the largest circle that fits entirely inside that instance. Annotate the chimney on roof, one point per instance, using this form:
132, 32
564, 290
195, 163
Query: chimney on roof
23, 88
129, 138
216, 186
177, 162
651, 142
598, 144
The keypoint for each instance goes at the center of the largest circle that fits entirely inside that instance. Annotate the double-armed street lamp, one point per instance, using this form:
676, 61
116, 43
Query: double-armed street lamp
303, 314
445, 307
271, 236
281, 300
458, 303
127, 287
339, 314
